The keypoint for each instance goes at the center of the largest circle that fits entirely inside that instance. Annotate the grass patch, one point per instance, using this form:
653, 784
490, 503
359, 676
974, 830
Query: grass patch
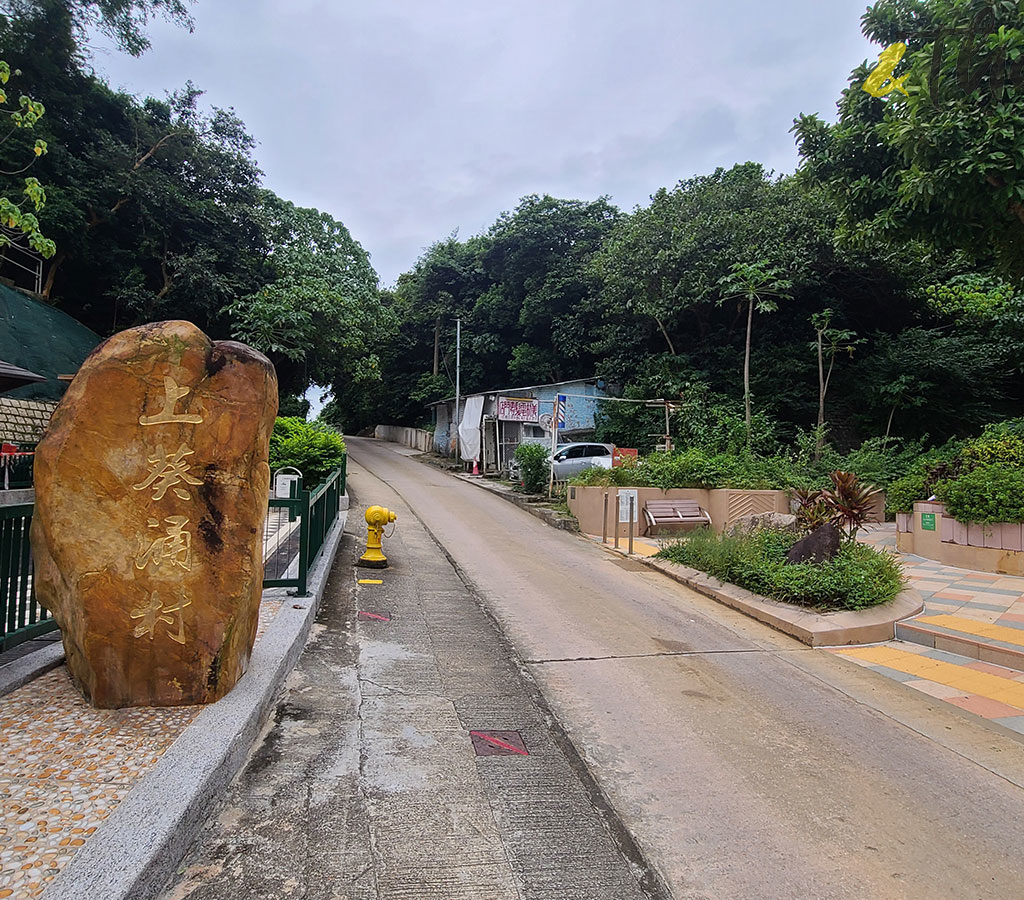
857, 578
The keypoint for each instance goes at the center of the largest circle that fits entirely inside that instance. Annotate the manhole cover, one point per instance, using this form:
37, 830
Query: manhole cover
498, 743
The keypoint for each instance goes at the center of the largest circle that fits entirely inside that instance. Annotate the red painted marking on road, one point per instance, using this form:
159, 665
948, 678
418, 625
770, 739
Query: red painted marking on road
374, 616
498, 743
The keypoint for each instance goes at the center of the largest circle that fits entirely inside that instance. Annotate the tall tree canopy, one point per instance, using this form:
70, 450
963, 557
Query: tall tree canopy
943, 160
158, 211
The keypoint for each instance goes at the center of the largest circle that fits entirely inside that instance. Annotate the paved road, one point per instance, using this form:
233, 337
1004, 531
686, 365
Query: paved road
744, 764
367, 786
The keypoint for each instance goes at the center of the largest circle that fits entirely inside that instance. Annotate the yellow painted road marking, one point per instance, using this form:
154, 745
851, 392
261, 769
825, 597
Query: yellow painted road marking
642, 548
970, 681
981, 629
371, 581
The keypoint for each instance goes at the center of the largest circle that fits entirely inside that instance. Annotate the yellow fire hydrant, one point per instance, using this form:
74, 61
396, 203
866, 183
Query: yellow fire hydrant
376, 518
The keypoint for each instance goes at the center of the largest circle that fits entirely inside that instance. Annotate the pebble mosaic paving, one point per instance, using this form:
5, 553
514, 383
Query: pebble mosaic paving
65, 766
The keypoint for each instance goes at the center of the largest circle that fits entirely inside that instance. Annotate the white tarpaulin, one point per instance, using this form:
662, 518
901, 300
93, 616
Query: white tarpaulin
469, 429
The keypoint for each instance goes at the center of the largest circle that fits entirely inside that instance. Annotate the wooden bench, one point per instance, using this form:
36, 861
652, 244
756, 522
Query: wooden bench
672, 514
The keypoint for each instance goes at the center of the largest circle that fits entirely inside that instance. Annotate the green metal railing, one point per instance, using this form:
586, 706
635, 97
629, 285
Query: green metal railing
21, 617
292, 547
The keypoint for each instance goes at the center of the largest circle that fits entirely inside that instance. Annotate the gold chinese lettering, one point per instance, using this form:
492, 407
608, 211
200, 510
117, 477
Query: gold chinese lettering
167, 472
172, 394
155, 611
173, 549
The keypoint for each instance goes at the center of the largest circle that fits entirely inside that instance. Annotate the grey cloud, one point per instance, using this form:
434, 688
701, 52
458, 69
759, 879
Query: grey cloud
406, 120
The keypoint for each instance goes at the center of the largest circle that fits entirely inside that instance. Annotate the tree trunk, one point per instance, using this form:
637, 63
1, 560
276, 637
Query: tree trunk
888, 425
746, 372
52, 273
819, 439
437, 344
668, 340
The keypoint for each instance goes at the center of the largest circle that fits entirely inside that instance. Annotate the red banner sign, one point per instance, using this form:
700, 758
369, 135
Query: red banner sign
621, 454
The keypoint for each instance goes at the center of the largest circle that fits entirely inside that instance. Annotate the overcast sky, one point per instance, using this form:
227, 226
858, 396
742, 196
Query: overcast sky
406, 120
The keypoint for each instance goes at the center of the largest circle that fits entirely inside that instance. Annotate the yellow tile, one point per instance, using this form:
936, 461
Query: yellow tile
370, 581
967, 680
981, 629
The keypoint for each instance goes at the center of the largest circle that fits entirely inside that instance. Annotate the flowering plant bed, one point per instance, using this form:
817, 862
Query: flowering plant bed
858, 577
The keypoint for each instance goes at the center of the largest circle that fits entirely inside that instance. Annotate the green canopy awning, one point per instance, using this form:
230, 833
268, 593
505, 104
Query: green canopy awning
43, 340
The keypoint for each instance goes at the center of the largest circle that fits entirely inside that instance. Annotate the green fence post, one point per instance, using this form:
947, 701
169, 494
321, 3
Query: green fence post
303, 544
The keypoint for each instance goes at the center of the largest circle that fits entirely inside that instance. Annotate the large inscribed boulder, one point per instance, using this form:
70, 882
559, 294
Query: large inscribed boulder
151, 491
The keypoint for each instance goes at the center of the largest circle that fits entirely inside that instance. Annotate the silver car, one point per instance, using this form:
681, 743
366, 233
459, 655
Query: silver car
569, 459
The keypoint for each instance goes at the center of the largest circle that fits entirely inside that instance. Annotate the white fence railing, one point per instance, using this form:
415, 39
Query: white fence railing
416, 438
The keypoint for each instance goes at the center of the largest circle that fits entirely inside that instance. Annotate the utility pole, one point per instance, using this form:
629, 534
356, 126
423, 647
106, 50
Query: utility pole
458, 385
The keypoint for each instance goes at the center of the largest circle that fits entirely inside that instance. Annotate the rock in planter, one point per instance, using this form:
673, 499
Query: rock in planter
820, 545
151, 492
774, 520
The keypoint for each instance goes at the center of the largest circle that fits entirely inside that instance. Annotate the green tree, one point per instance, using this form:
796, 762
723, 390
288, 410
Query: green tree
123, 21
322, 309
18, 221
943, 163
829, 342
761, 288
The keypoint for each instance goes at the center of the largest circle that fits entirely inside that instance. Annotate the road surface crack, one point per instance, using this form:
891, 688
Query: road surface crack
561, 659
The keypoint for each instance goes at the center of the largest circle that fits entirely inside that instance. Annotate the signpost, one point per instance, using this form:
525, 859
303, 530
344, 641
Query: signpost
557, 424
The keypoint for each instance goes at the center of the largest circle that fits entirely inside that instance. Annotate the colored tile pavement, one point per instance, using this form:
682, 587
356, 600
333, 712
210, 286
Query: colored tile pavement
992, 692
981, 596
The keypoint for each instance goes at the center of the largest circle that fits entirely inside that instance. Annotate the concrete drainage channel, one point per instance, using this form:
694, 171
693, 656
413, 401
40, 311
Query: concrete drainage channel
131, 856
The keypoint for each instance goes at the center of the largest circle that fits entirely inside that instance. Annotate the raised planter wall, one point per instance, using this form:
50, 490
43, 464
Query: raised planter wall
724, 505
988, 548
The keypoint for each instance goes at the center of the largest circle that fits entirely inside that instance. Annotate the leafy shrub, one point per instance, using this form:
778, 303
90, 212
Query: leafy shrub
849, 502
986, 494
311, 447
812, 511
1001, 443
905, 491
696, 468
533, 466
856, 578
619, 476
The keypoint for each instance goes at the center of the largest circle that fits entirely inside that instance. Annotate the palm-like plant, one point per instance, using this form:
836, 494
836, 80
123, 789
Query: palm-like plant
849, 502
812, 511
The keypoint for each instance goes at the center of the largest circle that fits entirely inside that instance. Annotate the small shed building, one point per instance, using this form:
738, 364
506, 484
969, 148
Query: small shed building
508, 417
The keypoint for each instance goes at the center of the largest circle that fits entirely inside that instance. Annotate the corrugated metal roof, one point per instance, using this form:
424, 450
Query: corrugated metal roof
510, 390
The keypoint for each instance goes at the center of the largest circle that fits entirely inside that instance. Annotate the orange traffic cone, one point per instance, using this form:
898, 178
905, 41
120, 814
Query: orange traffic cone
476, 467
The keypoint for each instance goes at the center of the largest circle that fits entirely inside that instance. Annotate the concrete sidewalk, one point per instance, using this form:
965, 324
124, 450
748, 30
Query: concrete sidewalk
411, 758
